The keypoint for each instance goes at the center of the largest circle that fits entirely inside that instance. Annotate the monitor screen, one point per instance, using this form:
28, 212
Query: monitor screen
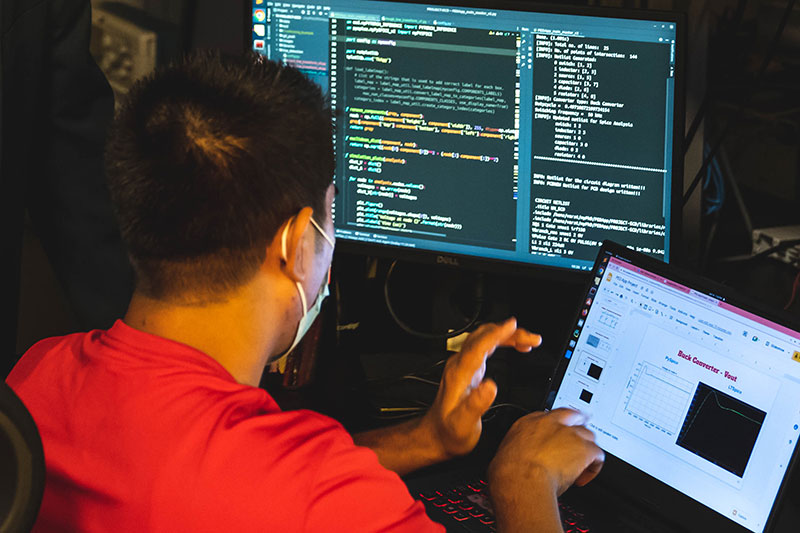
515, 137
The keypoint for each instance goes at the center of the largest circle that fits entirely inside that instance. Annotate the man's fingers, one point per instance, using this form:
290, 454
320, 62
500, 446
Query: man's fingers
483, 342
584, 432
467, 413
523, 340
592, 470
489, 336
477, 348
465, 370
569, 417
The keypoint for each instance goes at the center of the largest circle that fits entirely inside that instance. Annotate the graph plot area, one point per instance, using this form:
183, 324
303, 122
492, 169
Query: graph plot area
657, 397
721, 429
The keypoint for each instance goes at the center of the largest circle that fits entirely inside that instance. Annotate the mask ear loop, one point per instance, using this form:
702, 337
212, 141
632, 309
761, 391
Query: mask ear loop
283, 243
325, 235
303, 300
280, 363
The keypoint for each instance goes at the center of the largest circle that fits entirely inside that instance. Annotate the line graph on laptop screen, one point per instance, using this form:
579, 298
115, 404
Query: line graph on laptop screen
658, 398
721, 429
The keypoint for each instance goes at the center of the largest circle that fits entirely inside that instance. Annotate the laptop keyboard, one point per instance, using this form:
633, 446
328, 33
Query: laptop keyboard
467, 503
466, 507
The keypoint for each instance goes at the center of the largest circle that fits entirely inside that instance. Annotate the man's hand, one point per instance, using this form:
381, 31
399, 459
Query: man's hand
452, 425
454, 419
539, 458
555, 445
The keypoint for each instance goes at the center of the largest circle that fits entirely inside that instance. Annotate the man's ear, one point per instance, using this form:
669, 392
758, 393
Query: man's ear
292, 251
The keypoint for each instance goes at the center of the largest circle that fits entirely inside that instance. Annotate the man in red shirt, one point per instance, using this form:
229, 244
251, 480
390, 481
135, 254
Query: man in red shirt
220, 171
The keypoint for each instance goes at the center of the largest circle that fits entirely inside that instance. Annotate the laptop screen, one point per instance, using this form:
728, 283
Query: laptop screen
681, 384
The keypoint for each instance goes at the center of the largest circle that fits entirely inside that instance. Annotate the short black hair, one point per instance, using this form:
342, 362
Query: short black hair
206, 159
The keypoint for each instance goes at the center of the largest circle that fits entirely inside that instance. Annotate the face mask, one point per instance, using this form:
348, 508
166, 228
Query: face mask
311, 314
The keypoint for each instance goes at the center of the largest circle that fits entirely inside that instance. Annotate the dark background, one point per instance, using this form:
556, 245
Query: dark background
753, 183
728, 40
366, 356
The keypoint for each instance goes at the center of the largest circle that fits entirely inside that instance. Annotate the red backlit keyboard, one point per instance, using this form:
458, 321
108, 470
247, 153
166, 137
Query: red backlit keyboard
466, 507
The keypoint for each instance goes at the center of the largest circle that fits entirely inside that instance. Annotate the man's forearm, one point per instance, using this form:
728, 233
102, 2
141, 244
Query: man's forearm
405, 447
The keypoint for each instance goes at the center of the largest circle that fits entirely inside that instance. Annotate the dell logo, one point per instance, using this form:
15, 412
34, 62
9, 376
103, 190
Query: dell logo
445, 260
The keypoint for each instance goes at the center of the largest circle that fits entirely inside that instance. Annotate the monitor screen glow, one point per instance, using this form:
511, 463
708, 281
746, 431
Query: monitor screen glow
516, 137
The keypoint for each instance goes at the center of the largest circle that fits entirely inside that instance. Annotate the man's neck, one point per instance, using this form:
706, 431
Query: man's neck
238, 332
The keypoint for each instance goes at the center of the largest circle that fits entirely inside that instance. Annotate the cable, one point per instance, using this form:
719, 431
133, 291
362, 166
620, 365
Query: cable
698, 119
712, 232
794, 292
491, 412
770, 52
416, 373
400, 412
397, 413
515, 406
423, 334
764, 253
701, 111
727, 173
410, 412
411, 377
715, 180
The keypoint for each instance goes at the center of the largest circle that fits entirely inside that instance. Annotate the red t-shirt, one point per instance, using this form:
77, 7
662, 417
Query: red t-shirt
142, 433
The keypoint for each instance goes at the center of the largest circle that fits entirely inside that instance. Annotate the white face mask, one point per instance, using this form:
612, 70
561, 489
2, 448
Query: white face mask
311, 314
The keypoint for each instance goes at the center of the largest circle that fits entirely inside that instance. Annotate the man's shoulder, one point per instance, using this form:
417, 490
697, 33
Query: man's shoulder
301, 437
33, 356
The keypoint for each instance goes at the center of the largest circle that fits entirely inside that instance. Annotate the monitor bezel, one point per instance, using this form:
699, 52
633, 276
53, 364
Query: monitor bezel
505, 266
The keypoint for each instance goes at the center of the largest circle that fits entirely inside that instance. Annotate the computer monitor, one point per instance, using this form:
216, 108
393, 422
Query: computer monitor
506, 134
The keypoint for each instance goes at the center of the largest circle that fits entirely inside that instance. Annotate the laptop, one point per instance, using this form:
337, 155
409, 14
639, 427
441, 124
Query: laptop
693, 393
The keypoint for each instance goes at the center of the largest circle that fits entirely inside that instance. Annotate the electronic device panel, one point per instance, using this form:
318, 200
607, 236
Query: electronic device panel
692, 391
489, 134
